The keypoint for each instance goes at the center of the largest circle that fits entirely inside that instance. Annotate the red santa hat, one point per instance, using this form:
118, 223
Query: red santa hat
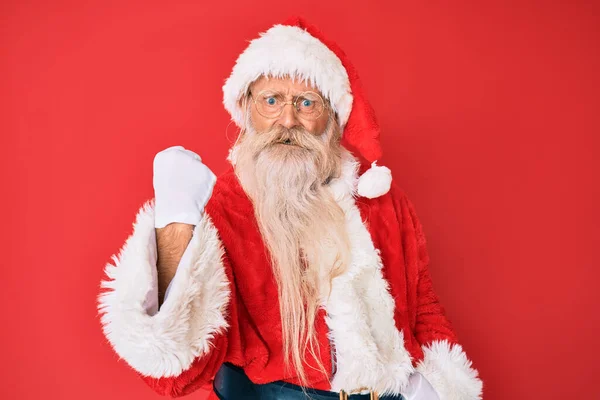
299, 49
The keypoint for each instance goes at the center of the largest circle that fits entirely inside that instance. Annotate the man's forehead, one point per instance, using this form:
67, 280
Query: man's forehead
285, 85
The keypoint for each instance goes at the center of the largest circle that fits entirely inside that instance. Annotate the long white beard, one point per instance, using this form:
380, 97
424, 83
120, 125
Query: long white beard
302, 225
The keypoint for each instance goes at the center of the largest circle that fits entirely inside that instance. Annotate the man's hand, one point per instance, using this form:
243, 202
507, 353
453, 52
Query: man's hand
182, 186
419, 388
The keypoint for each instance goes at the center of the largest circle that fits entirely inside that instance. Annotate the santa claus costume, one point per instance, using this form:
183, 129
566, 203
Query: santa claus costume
382, 320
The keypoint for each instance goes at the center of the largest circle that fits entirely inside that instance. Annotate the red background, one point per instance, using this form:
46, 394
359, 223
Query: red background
490, 123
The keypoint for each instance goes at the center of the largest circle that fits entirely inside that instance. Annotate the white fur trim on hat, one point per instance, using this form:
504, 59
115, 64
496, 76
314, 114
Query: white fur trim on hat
375, 182
289, 50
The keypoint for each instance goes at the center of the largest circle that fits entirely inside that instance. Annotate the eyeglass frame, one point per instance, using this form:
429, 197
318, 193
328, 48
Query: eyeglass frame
293, 102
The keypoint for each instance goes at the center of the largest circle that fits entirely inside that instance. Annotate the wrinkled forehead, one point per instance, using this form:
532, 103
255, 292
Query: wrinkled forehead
286, 85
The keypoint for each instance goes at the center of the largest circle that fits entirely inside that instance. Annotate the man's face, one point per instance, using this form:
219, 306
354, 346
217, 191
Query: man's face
287, 150
289, 118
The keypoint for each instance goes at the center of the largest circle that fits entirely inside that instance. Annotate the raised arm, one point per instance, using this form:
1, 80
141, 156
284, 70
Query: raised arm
182, 187
177, 349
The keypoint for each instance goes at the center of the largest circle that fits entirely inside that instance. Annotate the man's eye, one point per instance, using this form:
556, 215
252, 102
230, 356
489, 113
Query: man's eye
306, 103
271, 101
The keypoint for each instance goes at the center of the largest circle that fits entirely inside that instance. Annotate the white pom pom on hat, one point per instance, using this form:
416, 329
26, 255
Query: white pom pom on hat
375, 182
298, 49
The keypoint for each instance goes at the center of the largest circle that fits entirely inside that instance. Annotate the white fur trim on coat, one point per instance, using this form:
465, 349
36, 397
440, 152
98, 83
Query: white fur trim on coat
289, 50
164, 343
369, 348
449, 371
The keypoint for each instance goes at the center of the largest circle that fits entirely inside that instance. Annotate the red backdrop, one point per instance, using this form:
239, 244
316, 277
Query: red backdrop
490, 123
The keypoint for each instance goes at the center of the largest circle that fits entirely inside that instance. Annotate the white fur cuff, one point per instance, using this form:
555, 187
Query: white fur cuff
165, 343
449, 371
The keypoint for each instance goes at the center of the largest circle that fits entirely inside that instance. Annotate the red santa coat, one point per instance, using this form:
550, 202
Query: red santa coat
381, 321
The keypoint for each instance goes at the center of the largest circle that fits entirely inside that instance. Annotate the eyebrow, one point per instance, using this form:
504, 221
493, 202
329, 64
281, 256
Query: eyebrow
292, 95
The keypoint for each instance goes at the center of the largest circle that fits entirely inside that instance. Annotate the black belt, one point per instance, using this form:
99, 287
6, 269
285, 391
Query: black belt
231, 383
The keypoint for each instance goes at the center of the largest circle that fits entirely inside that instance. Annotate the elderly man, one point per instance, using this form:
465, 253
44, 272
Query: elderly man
302, 271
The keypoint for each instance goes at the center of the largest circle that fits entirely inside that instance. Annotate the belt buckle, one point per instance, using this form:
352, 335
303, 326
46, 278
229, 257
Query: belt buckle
373, 395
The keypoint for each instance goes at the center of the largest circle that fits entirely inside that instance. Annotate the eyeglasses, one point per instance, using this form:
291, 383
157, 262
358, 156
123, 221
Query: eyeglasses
308, 105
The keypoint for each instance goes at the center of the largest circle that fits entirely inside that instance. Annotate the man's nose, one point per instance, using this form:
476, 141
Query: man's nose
288, 117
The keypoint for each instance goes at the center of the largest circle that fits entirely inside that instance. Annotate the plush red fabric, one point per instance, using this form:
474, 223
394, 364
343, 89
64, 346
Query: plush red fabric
253, 340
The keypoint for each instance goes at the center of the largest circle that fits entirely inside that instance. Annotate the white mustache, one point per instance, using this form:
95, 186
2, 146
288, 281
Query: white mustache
286, 136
